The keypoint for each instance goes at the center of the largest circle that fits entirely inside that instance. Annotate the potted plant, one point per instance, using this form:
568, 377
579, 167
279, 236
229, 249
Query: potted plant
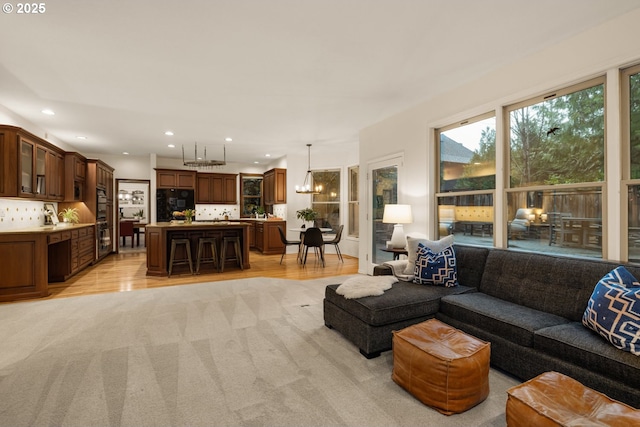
188, 215
226, 214
307, 215
260, 212
70, 216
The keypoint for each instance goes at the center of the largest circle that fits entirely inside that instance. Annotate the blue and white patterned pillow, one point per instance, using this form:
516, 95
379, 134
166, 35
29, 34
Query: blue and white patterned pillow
435, 268
614, 310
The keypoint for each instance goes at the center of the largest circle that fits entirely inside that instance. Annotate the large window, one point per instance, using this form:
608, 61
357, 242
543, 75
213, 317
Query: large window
631, 134
557, 144
558, 139
327, 203
354, 202
468, 155
468, 169
634, 120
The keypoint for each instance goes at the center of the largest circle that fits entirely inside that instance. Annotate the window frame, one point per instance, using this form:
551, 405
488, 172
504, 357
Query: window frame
353, 202
337, 203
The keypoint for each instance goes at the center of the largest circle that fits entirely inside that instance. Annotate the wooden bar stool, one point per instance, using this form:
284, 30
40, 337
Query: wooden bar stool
238, 251
202, 241
173, 261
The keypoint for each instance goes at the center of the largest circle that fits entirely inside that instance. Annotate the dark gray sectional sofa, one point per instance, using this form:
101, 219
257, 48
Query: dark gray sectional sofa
528, 306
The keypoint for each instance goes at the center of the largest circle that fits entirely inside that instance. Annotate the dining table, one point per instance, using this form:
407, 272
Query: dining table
301, 230
584, 229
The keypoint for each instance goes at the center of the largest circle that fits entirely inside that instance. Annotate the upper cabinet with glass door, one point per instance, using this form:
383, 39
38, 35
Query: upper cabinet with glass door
39, 172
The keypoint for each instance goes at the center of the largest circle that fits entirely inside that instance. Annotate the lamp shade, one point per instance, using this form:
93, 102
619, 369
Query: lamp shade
397, 214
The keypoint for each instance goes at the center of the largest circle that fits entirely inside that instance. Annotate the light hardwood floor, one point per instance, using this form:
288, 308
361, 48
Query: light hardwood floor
126, 271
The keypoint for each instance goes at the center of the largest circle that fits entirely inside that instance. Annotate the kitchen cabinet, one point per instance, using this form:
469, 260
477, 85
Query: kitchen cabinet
219, 188
43, 254
266, 236
55, 167
170, 178
77, 252
100, 177
275, 186
38, 172
75, 171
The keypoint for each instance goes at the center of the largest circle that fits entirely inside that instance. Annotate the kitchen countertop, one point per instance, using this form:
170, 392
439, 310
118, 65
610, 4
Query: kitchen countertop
196, 224
45, 229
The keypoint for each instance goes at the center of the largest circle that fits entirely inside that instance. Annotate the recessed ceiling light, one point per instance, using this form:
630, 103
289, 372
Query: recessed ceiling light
126, 153
171, 146
228, 139
81, 137
168, 133
48, 112
256, 162
267, 155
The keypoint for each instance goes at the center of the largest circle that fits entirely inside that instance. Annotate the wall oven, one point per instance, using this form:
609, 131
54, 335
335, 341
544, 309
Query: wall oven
101, 208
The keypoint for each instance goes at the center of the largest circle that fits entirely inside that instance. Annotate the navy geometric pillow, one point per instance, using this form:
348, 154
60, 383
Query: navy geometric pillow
614, 310
436, 268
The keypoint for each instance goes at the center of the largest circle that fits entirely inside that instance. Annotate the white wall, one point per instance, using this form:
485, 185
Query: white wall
611, 45
335, 156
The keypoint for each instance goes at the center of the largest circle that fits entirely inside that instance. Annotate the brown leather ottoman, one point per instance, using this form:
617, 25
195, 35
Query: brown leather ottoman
553, 399
441, 366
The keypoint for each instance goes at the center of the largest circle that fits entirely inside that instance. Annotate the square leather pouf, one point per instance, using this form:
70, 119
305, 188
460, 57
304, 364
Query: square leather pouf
554, 400
441, 366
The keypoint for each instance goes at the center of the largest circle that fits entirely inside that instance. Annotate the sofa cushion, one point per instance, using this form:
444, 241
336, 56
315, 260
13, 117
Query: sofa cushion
583, 347
436, 268
434, 245
613, 310
553, 284
506, 319
405, 300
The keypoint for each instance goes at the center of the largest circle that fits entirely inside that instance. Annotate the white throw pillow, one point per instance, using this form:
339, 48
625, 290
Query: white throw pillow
434, 245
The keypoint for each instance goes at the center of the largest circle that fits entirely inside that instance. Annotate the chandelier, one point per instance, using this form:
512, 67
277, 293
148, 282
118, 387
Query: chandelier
202, 162
307, 187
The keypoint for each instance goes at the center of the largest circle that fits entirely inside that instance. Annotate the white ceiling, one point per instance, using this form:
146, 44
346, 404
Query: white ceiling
272, 74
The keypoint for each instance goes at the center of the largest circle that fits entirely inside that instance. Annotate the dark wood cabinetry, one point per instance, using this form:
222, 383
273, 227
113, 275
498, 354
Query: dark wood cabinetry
98, 178
264, 236
220, 188
275, 186
169, 178
70, 251
75, 177
56, 167
43, 256
30, 167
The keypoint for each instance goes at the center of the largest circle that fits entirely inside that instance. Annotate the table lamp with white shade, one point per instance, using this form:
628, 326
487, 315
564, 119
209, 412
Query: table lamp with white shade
398, 215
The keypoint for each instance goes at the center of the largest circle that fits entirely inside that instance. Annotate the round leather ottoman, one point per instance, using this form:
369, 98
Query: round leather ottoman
553, 399
441, 366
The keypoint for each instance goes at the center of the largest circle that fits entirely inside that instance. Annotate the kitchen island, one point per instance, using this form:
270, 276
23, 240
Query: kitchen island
158, 237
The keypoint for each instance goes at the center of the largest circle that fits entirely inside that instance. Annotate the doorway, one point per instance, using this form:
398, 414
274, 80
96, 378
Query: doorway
383, 190
133, 210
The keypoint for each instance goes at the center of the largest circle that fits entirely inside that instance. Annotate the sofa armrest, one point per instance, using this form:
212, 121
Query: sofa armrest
397, 267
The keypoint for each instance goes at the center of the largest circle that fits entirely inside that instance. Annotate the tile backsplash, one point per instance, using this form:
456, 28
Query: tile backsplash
16, 214
213, 212
206, 212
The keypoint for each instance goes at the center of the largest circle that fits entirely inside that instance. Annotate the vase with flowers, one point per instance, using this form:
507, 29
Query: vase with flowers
189, 214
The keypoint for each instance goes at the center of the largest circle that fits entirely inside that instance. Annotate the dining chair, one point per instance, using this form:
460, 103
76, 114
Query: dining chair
313, 239
126, 230
335, 242
286, 243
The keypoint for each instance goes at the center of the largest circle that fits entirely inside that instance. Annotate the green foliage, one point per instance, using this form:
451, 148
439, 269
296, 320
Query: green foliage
306, 214
70, 215
574, 152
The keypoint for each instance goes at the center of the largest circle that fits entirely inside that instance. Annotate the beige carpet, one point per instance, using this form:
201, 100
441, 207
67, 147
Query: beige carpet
249, 352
